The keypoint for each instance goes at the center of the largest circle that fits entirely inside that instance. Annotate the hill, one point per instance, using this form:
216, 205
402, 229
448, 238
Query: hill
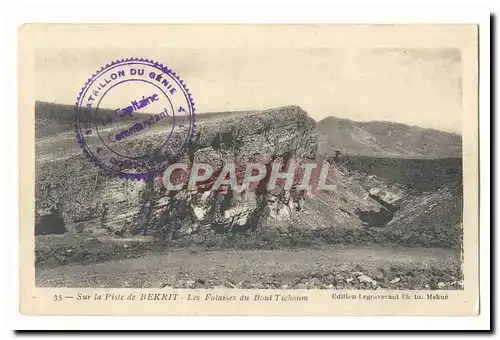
386, 139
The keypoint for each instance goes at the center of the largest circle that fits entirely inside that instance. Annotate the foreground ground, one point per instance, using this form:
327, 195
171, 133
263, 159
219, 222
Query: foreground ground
328, 267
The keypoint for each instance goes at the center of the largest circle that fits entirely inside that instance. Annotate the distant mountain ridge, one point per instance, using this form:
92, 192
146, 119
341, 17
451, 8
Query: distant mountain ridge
54, 118
66, 113
385, 139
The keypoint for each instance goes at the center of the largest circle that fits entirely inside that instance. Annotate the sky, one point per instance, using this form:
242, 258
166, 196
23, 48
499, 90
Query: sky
257, 68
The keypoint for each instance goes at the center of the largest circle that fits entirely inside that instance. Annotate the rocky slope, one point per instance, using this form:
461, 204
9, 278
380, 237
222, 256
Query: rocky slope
414, 173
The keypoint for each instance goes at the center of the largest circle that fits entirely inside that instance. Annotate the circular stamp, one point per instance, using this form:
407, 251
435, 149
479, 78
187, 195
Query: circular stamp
134, 117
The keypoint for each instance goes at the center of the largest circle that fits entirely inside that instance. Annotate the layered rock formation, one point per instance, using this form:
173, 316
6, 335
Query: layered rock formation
108, 205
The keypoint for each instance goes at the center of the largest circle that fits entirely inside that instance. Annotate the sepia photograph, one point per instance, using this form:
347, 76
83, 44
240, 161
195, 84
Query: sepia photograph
273, 158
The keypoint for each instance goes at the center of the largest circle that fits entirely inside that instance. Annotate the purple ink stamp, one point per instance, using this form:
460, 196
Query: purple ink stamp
134, 117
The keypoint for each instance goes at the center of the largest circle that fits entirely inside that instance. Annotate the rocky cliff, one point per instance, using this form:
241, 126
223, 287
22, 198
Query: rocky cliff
93, 201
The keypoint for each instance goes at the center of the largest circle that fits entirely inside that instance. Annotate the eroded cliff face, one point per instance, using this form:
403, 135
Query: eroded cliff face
95, 202
263, 137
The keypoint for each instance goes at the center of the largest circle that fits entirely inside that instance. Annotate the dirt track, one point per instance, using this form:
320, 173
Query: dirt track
331, 267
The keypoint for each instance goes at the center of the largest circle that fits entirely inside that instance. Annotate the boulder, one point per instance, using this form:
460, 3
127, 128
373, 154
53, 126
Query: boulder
367, 279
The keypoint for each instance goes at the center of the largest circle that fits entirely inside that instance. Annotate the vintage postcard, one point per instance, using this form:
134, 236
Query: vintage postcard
209, 169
